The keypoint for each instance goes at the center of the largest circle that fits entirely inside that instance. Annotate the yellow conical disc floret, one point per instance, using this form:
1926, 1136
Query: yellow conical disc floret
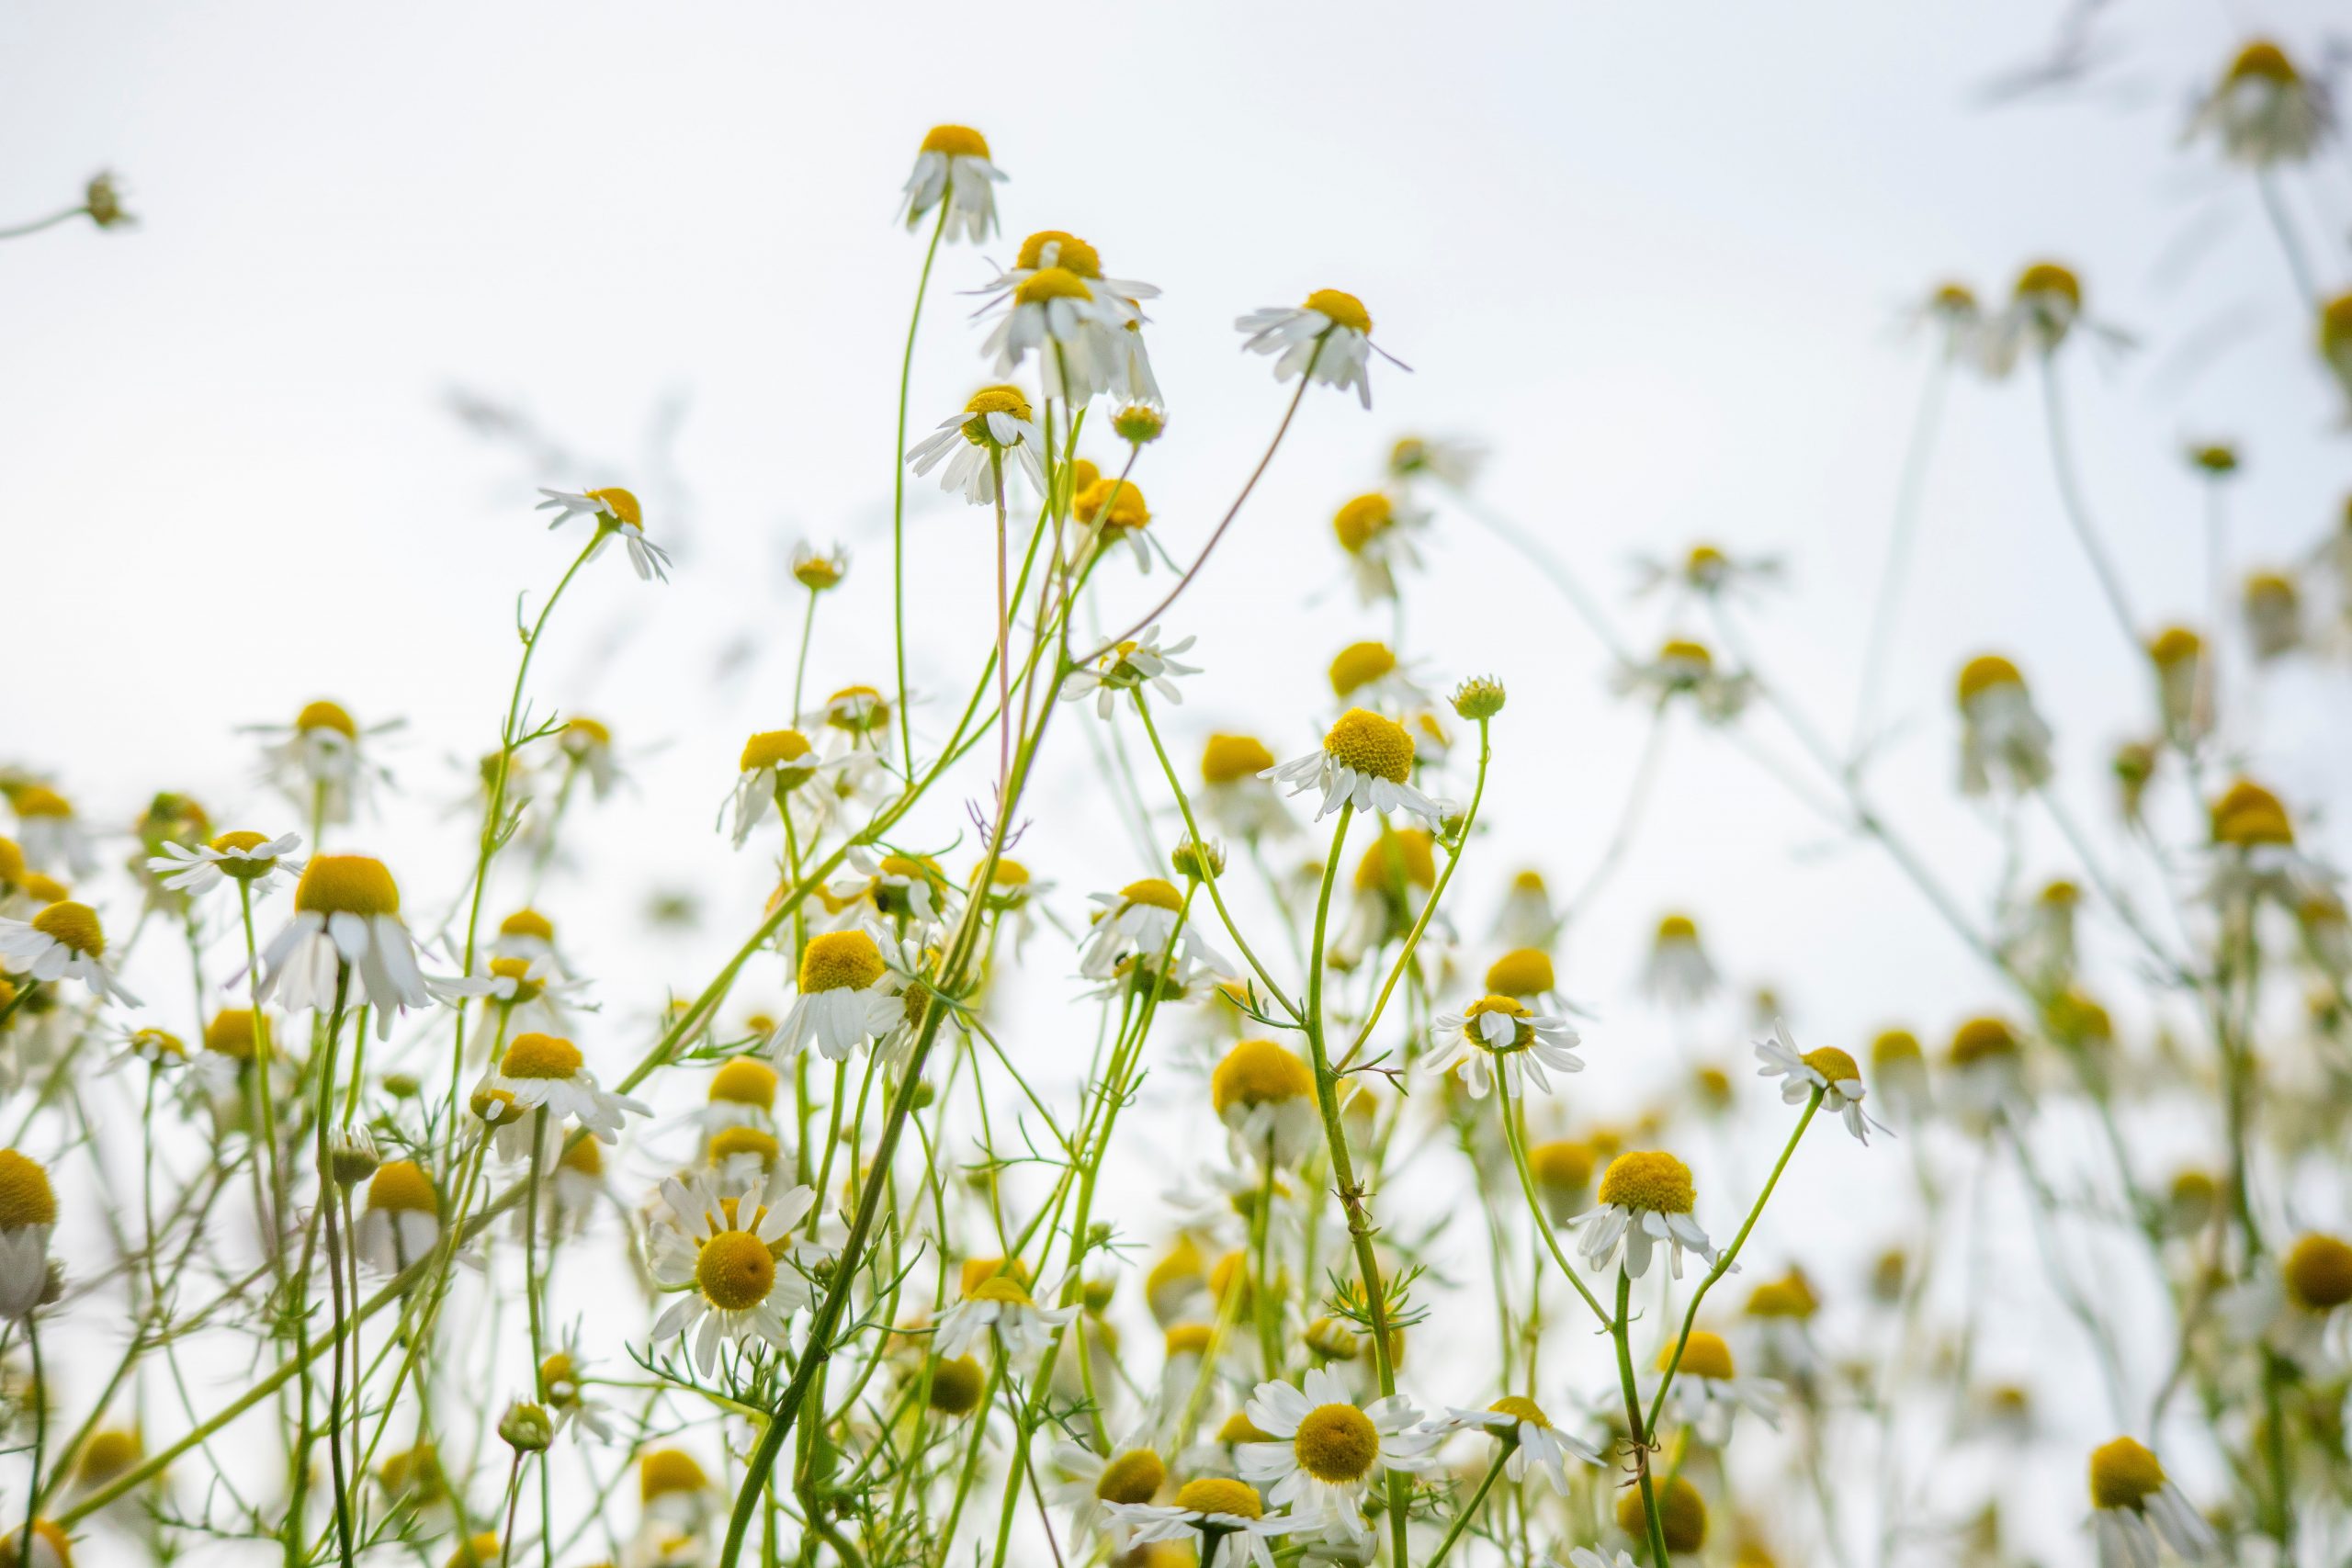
1648, 1179
1152, 890
776, 749
1405, 855
1983, 1039
2124, 1474
955, 141
2247, 815
735, 1271
1894, 1048
2318, 1272
239, 846
2262, 60
540, 1056
730, 1141
1359, 665
1259, 1072
1526, 972
1228, 759
26, 1197
621, 503
347, 885
1983, 673
1132, 1477
1371, 744
955, 1385
326, 716
1520, 1409
51, 1536
12, 860
665, 1471
586, 1156
1521, 1031
232, 1032
1832, 1064
1051, 283
838, 959
1220, 1494
1564, 1165
401, 1186
744, 1080
1074, 254
1337, 1443
72, 925
110, 1452
978, 1271
1358, 520
2051, 277
1345, 310
528, 923
527, 987
1682, 1514
1124, 498
2175, 645
1677, 928
1704, 1355
1002, 1288
1239, 1429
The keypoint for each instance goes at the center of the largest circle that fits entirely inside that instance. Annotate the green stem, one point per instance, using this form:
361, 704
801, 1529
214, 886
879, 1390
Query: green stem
899, 494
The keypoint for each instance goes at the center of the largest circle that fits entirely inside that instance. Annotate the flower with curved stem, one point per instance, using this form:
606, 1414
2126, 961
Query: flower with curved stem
1069, 323
1328, 339
531, 991
400, 1221
1129, 666
733, 1261
246, 857
1095, 1487
819, 571
1265, 1093
544, 1072
1498, 1038
62, 941
28, 1218
2133, 1508
1366, 762
1532, 1442
1376, 531
997, 424
775, 767
614, 511
1708, 1391
1209, 1512
2263, 110
1646, 1198
321, 762
848, 997
1000, 1304
347, 917
1325, 1451
1828, 1071
952, 165
1140, 921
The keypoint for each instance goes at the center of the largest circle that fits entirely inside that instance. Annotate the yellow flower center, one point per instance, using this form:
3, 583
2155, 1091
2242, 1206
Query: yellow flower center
1682, 651
1682, 1514
326, 716
244, 868
2318, 1271
744, 1080
2262, 60
955, 1385
1074, 254
2050, 278
955, 141
1122, 496
12, 863
1359, 665
1228, 759
1983, 673
528, 923
1648, 1179
840, 959
540, 1056
1365, 742
1520, 1409
1051, 283
1357, 521
1001, 1288
1337, 1443
2248, 814
2124, 1474
773, 749
585, 1157
669, 1470
1563, 1165
108, 1454
1983, 1039
25, 1198
1220, 1494
400, 1185
1894, 1048
231, 1031
1832, 1064
1187, 1338
1525, 972
2175, 645
1344, 310
1131, 1478
1406, 855
72, 925
586, 732
734, 1270
1257, 1072
1522, 1034
977, 1271
1704, 1355
621, 504
518, 970
347, 885
1789, 1296
729, 1142
1151, 890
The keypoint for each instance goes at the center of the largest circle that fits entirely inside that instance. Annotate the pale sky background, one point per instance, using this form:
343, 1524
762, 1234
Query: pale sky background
1657, 258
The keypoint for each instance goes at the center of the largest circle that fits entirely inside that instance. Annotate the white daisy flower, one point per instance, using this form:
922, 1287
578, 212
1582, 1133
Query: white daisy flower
533, 992
1535, 1443
565, 1393
51, 1546
1234, 793
1448, 461
1708, 572
776, 765
737, 1273
1113, 509
400, 1223
587, 745
1686, 667
1139, 922
2270, 608
996, 425
742, 1094
1708, 1391
614, 511
2254, 854
544, 1072
1677, 972
2044, 309
1366, 762
1327, 338
1094, 1486
2294, 1306
319, 763
1528, 917
28, 1218
1827, 1069
2133, 1508
677, 1492
1209, 1512
1265, 1093
1496, 1037
1379, 532
1369, 674
64, 942
998, 1303
848, 997
1072, 325
49, 832
1987, 1068
1124, 667
347, 918
2264, 111
1329, 1450
247, 857
893, 888
953, 166
1646, 1196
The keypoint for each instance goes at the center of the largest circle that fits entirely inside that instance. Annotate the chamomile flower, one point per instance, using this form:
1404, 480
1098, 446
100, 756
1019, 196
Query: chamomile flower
1129, 666
1686, 667
50, 833
1366, 762
548, 1074
2335, 351
2295, 1307
733, 1263
2254, 854
1954, 313
998, 1303
2044, 309
1326, 1450
1987, 1067
2179, 660
1682, 1515
953, 166
400, 1221
2133, 1508
2263, 110
531, 992
674, 1490
849, 996
1708, 1391
564, 1389
742, 1094
1209, 1513
1072, 323
64, 942
1827, 1070
587, 745
1528, 917
1646, 1198
1534, 1444
346, 925
894, 888
27, 1217
1677, 972
1094, 1486
1050, 248
52, 1547
1498, 1038
775, 767
246, 857
1234, 794
1379, 532
995, 426
1265, 1094
1524, 973
1448, 461
2272, 609
1115, 509
1563, 1171
614, 511
1708, 573
2002, 739
321, 763
1328, 339
1369, 674
1140, 921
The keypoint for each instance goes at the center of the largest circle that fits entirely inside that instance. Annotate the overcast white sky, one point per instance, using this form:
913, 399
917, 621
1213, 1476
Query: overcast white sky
1655, 257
